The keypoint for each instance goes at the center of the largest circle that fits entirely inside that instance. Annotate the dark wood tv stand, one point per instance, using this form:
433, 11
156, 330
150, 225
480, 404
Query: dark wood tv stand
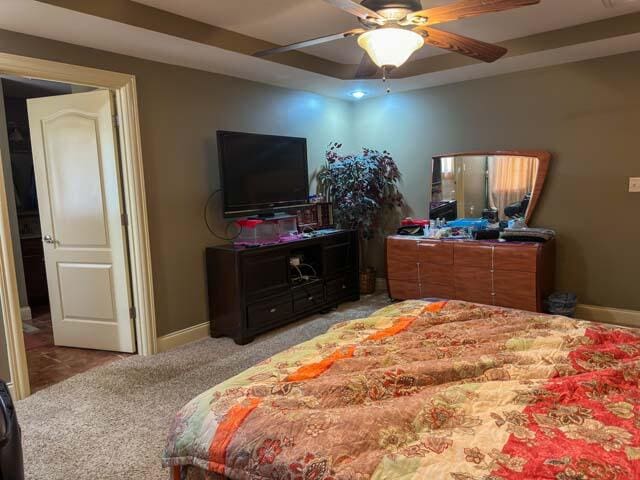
254, 290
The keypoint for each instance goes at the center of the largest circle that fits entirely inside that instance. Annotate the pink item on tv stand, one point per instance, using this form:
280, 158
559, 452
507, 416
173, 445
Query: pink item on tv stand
270, 231
416, 221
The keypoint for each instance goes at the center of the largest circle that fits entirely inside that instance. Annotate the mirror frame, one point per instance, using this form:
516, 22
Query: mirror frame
544, 159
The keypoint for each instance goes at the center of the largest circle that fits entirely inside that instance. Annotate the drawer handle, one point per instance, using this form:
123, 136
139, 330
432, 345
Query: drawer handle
430, 245
344, 287
310, 298
273, 310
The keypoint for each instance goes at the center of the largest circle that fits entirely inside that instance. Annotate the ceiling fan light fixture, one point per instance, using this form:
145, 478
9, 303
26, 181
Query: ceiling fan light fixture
390, 47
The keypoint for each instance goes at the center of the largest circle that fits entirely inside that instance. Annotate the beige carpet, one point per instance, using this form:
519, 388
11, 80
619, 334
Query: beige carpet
111, 422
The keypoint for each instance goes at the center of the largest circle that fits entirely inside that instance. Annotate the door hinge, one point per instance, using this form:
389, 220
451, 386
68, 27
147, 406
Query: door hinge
116, 120
132, 313
124, 218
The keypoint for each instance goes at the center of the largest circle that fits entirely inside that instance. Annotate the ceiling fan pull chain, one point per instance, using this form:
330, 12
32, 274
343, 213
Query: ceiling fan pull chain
385, 79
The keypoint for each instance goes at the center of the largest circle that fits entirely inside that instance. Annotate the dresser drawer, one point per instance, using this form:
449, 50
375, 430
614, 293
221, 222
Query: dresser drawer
435, 252
307, 303
268, 312
315, 289
435, 274
341, 287
473, 285
515, 289
306, 298
437, 291
467, 255
401, 290
402, 259
518, 258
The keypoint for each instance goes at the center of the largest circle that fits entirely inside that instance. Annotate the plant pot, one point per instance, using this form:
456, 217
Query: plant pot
367, 281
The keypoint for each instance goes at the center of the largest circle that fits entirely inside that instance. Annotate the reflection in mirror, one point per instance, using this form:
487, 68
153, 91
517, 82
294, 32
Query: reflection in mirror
495, 187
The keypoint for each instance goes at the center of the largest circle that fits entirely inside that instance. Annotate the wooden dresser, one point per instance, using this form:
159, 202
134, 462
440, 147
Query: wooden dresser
514, 274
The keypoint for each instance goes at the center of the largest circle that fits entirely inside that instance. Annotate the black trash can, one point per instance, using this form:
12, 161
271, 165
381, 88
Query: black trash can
562, 303
11, 463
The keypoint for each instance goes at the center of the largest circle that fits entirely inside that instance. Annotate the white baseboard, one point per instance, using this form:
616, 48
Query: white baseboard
12, 391
25, 313
182, 337
616, 316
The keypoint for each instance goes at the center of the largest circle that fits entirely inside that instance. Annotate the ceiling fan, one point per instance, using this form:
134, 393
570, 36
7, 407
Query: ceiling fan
393, 29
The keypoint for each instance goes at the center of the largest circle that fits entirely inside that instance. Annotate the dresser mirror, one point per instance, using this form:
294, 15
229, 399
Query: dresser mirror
498, 186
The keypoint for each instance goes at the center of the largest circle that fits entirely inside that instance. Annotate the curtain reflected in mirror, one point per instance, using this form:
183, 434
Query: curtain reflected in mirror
495, 187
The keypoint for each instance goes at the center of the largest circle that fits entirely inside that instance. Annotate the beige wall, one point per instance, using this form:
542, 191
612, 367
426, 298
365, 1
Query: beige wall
587, 114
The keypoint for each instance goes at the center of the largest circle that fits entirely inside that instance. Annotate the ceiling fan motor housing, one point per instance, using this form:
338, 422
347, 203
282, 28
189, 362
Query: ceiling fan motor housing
393, 9
408, 5
375, 5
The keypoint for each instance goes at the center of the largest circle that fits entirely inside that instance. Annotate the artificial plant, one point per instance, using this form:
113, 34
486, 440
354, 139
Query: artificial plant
362, 186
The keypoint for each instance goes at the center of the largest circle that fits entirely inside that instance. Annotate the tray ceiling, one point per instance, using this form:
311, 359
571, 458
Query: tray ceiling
209, 35
288, 21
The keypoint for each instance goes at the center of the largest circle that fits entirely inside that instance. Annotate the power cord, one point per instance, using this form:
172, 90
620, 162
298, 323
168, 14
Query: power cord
301, 278
210, 228
315, 274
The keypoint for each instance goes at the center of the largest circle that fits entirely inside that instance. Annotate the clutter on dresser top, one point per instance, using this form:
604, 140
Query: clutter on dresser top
474, 228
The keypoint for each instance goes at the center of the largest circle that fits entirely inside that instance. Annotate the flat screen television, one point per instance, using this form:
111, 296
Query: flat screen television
261, 174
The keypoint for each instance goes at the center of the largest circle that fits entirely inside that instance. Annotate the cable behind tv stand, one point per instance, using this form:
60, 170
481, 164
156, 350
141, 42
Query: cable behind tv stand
255, 290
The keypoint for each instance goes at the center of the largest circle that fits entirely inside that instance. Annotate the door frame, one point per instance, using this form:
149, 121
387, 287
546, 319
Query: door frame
124, 88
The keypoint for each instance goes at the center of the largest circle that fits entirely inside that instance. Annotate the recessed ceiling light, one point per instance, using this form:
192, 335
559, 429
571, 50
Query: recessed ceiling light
358, 94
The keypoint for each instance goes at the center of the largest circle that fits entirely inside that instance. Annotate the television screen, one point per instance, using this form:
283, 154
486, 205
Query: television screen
261, 173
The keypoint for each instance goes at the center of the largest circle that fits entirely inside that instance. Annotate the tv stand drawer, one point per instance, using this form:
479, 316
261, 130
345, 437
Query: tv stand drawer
268, 312
342, 286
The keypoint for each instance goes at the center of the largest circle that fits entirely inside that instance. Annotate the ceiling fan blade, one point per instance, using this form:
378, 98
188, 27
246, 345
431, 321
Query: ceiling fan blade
486, 52
309, 43
367, 69
356, 9
468, 8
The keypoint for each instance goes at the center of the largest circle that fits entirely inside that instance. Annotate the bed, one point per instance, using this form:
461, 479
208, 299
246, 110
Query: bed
426, 390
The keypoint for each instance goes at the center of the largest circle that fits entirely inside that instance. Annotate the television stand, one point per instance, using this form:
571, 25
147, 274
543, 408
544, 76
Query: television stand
255, 290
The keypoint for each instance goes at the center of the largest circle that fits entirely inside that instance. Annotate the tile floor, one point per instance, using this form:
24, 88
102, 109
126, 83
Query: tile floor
49, 364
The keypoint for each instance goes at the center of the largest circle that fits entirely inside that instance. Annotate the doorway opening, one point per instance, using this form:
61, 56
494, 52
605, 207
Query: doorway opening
13, 361
56, 347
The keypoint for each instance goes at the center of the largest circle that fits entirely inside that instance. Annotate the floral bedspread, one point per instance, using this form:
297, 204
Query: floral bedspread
419, 390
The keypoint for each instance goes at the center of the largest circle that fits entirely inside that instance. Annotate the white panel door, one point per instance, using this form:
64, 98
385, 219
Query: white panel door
80, 199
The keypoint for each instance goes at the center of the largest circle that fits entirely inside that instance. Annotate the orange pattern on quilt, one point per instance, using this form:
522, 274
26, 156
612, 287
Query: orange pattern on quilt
434, 307
405, 322
314, 370
399, 326
225, 432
